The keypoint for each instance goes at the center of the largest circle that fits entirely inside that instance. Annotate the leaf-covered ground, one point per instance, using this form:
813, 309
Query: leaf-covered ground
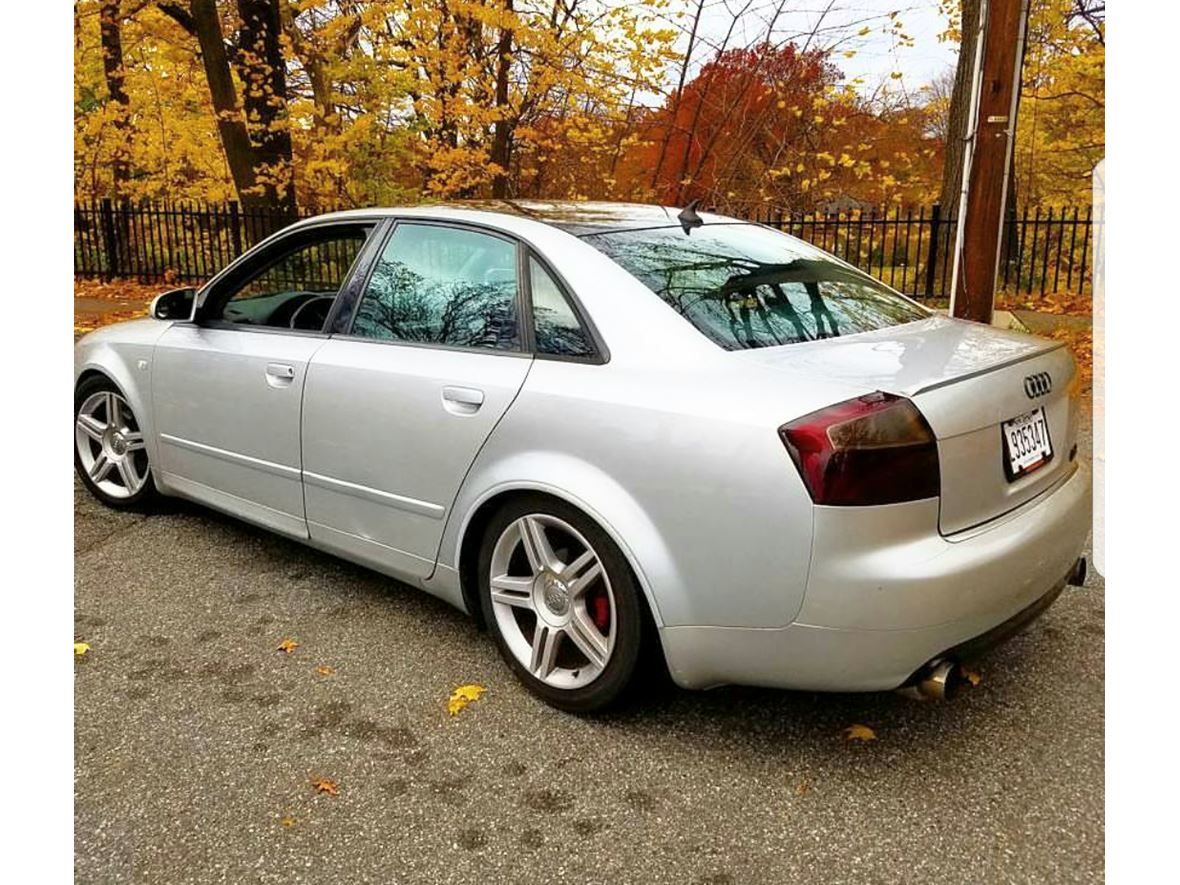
203, 753
1058, 303
98, 303
1064, 316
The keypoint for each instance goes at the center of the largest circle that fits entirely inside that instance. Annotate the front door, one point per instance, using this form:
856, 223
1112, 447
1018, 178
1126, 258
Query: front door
227, 389
396, 410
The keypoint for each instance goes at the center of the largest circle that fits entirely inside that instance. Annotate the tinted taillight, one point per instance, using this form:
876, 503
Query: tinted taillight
875, 449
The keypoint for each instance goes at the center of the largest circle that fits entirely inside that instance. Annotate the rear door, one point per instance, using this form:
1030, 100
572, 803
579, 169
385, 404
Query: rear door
227, 389
398, 404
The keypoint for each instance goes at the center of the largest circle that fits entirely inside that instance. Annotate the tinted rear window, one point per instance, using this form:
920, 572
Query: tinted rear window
747, 286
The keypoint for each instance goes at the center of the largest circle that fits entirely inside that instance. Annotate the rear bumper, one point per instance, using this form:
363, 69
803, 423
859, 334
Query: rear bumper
886, 595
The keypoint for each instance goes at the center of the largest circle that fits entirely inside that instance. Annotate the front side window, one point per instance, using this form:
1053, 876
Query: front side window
295, 289
442, 285
745, 286
555, 325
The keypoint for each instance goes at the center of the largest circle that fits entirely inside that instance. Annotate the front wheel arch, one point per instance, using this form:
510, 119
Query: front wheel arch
97, 373
146, 494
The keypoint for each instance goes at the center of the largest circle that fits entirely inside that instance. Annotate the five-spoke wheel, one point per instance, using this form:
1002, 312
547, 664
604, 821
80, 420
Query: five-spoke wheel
109, 450
561, 602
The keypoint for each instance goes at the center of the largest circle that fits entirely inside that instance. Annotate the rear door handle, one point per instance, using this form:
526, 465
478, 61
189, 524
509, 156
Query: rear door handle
279, 374
462, 400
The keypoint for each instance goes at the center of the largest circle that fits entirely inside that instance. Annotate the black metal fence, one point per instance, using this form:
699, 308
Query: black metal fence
182, 242
1044, 250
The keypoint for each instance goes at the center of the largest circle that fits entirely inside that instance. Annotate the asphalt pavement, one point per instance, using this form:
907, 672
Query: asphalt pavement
197, 742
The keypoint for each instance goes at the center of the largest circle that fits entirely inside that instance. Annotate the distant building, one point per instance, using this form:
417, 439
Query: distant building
844, 203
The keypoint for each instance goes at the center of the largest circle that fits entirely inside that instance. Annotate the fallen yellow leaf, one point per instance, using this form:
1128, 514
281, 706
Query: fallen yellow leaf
324, 785
80, 648
288, 645
324, 670
462, 696
858, 732
288, 821
972, 677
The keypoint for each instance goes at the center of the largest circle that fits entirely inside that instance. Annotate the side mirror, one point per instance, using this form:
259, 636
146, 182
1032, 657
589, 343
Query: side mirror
177, 304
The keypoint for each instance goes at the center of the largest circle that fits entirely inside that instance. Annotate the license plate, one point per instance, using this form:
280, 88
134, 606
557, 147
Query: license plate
1026, 443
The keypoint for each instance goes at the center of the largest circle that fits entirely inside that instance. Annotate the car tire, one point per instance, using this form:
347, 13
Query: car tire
109, 455
572, 669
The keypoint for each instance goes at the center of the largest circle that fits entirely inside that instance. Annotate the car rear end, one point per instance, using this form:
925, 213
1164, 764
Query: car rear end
950, 504
957, 519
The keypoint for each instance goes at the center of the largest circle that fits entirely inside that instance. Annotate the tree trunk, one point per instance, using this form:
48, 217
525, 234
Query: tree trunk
674, 114
311, 57
258, 154
263, 72
111, 38
958, 124
110, 21
231, 127
501, 154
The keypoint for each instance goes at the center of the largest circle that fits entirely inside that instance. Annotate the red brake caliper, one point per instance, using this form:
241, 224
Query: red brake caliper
600, 611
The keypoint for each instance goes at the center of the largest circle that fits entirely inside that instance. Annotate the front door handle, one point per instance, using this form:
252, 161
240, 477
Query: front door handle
462, 400
279, 374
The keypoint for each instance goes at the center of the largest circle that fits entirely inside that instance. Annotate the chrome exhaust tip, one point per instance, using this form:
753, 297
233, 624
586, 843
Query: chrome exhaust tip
940, 680
1077, 575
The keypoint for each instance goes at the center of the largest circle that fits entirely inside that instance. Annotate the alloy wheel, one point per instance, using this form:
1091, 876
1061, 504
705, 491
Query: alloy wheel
110, 445
553, 601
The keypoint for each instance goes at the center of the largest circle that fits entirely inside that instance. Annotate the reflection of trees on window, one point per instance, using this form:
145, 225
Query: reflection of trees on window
442, 285
744, 286
555, 324
403, 305
556, 336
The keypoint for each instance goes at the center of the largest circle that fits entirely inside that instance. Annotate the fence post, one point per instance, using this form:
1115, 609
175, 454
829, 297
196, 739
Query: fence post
932, 261
235, 225
110, 242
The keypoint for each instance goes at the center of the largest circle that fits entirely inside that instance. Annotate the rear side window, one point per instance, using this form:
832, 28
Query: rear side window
442, 285
746, 286
555, 325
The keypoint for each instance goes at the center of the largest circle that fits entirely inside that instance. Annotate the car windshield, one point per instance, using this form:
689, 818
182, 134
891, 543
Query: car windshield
746, 286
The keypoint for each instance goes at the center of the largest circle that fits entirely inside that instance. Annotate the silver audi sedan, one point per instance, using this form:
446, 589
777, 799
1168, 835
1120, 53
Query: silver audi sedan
619, 436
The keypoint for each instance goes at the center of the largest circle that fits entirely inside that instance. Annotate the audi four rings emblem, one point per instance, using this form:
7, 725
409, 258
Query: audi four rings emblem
1038, 384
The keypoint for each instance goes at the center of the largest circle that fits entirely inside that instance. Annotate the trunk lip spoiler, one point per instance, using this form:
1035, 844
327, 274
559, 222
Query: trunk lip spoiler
986, 370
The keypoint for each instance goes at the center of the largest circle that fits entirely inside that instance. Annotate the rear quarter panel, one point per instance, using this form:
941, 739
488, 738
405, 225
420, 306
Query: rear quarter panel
683, 468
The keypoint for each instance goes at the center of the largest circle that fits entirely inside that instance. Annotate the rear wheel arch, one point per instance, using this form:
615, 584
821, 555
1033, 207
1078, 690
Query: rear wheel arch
476, 526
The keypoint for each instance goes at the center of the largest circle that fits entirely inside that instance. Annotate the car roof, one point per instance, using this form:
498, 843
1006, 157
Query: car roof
579, 218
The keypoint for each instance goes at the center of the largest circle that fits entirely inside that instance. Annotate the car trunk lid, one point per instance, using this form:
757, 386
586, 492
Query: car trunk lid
968, 380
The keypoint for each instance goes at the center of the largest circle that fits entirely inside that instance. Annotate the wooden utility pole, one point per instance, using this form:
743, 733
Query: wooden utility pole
988, 160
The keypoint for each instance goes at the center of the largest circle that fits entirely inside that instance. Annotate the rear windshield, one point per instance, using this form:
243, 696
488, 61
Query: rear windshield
746, 286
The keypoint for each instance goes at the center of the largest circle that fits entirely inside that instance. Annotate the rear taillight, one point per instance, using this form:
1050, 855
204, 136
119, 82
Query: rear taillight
875, 449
